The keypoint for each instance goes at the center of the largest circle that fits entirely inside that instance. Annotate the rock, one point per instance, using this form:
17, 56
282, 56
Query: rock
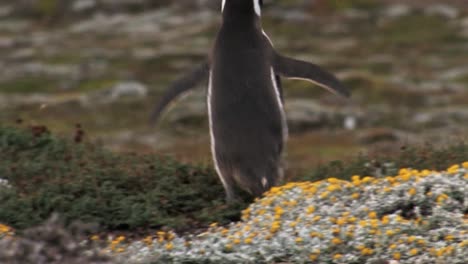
380, 134
356, 14
396, 11
464, 27
441, 117
23, 54
453, 74
191, 109
52, 243
5, 10
128, 89
305, 114
443, 10
83, 5
7, 42
14, 25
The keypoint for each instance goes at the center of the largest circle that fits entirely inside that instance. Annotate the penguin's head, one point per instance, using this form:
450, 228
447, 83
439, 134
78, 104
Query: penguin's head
242, 7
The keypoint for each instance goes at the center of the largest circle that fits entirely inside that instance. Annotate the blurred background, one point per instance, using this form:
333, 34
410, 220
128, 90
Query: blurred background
103, 64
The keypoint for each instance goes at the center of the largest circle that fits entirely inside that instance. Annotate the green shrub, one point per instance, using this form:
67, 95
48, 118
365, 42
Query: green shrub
84, 182
416, 157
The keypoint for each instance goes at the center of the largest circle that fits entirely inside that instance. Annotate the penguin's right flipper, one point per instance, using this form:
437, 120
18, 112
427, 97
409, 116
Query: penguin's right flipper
184, 84
297, 69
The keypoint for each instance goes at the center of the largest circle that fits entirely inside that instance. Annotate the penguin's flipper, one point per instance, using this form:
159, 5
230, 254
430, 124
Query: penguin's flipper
184, 84
297, 69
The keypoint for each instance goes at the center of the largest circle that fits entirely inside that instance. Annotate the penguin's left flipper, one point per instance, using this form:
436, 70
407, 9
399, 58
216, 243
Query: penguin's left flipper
297, 69
184, 84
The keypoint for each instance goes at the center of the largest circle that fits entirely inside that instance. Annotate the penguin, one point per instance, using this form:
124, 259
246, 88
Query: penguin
245, 101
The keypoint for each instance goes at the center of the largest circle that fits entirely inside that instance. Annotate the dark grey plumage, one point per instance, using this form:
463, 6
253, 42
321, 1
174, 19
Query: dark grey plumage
245, 99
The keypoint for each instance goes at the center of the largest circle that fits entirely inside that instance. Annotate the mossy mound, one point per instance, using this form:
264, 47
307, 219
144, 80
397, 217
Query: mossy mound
81, 181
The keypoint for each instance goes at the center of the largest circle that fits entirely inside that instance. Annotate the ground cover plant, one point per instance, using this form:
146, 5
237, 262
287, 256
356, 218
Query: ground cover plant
47, 174
419, 214
82, 181
413, 217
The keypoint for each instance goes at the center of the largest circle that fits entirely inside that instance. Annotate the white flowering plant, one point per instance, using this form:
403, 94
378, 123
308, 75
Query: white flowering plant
413, 217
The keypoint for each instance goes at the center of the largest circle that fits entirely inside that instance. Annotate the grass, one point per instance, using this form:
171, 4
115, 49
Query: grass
29, 85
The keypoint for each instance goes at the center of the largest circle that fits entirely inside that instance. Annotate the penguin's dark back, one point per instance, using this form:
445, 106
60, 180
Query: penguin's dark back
246, 115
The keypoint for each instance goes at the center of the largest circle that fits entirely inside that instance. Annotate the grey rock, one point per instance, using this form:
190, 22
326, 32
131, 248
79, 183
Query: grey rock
191, 109
464, 27
5, 10
83, 5
14, 25
305, 114
378, 135
23, 54
396, 11
442, 117
444, 10
355, 14
454, 73
127, 89
52, 243
7, 42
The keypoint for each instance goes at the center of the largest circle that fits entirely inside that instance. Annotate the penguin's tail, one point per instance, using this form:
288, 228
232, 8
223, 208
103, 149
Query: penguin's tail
259, 180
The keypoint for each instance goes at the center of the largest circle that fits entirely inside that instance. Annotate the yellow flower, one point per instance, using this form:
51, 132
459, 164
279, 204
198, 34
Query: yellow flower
367, 179
337, 256
367, 251
279, 210
169, 246
148, 240
355, 195
316, 218
392, 246
441, 198
324, 195
315, 234
397, 255
360, 247
228, 246
413, 251
372, 215
237, 241
333, 187
313, 257
389, 232
341, 221
448, 238
94, 238
310, 209
411, 239
453, 169
336, 241
248, 240
465, 164
412, 191
299, 240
